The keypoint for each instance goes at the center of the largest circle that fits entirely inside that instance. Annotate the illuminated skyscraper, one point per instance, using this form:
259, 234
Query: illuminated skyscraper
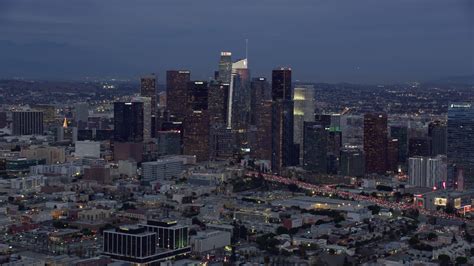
303, 98
262, 146
218, 103
460, 149
176, 93
375, 143
148, 89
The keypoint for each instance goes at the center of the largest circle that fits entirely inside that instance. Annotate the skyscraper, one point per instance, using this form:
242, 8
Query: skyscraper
375, 143
460, 149
128, 121
148, 89
419, 147
437, 133
283, 149
262, 147
315, 147
352, 162
176, 93
303, 98
401, 134
281, 84
218, 102
197, 123
225, 67
147, 116
27, 123
260, 91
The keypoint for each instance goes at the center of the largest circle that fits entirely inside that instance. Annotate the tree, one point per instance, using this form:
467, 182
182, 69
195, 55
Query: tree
374, 208
461, 260
444, 260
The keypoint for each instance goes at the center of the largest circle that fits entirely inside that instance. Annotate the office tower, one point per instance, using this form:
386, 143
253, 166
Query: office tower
281, 84
27, 123
3, 120
260, 91
392, 155
239, 100
131, 244
375, 143
437, 133
323, 120
283, 149
401, 134
197, 123
196, 135
352, 130
128, 121
262, 147
176, 93
315, 147
98, 173
221, 142
333, 150
81, 112
460, 149
169, 142
147, 116
419, 147
225, 67
171, 235
430, 172
218, 102
148, 89
162, 169
303, 98
352, 162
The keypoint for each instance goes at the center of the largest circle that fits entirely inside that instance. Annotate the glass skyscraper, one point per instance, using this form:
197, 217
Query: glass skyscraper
460, 149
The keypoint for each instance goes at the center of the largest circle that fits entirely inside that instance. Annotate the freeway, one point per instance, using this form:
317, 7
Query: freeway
330, 190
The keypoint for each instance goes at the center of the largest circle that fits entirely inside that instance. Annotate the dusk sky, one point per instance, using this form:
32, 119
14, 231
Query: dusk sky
365, 41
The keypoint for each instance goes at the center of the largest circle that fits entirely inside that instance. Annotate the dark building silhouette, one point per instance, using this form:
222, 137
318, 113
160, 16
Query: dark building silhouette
352, 162
401, 134
460, 150
176, 93
315, 147
281, 84
283, 149
262, 146
419, 147
260, 91
437, 132
218, 104
323, 120
27, 123
128, 121
375, 143
196, 125
392, 154
3, 119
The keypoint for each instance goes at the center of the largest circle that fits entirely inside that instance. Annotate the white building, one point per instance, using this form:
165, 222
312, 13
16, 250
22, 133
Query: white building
162, 169
209, 240
303, 111
427, 171
57, 169
87, 148
30, 183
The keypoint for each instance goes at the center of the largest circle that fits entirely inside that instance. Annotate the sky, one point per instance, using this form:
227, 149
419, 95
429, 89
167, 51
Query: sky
360, 41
